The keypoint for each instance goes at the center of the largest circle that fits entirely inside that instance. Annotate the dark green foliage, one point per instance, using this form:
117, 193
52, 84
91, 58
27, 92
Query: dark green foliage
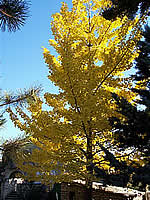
127, 176
143, 60
126, 7
141, 177
122, 175
13, 14
135, 131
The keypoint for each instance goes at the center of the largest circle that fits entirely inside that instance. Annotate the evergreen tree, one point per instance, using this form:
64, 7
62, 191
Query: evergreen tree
20, 98
13, 14
143, 60
120, 8
134, 132
138, 115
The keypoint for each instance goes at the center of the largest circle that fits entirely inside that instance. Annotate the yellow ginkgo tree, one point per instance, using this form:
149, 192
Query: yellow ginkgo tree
72, 136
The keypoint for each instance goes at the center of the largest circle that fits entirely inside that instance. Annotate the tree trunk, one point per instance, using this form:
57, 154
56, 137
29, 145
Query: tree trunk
89, 167
89, 191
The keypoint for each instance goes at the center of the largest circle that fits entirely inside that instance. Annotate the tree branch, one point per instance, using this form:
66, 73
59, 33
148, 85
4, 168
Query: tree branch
13, 101
109, 73
4, 13
20, 98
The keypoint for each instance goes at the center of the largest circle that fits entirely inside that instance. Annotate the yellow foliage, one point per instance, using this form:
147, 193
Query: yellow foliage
93, 54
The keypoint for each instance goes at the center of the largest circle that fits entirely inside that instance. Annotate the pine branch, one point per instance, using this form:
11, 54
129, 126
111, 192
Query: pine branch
21, 98
13, 14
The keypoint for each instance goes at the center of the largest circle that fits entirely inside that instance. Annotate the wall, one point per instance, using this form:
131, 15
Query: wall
148, 195
76, 191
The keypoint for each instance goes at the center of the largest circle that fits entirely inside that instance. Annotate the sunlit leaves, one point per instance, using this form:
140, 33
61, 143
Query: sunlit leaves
93, 54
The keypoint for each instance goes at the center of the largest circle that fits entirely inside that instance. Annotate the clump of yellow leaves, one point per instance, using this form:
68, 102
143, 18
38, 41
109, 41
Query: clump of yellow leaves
93, 53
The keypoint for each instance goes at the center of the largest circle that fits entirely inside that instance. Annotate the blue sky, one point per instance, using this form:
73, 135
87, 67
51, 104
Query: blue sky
21, 59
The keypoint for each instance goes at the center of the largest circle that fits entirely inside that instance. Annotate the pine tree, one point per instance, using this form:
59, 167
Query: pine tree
129, 8
143, 60
19, 98
13, 14
74, 136
136, 117
134, 131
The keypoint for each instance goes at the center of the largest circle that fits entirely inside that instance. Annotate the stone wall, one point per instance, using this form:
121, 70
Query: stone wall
148, 195
76, 191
